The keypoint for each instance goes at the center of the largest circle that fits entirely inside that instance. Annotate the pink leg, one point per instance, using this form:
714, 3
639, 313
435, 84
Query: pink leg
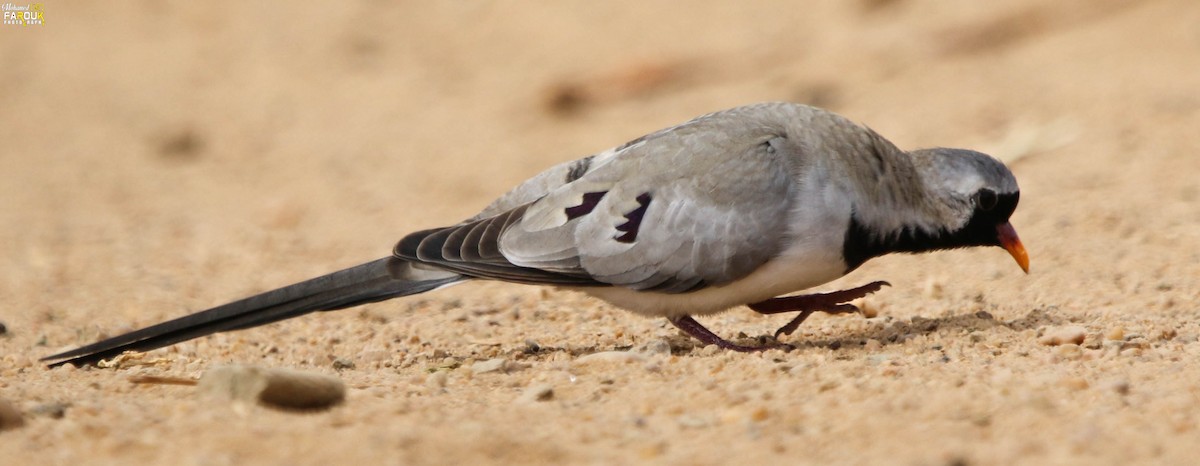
833, 303
697, 331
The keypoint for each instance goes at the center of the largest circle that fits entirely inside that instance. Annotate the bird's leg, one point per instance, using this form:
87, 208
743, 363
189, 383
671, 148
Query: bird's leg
826, 302
689, 326
833, 303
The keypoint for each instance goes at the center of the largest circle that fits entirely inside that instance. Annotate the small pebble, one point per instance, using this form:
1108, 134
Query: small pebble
273, 387
873, 345
10, 416
491, 365
17, 361
51, 410
933, 289
1064, 335
689, 421
923, 324
1075, 383
1167, 333
1120, 387
3, 328
656, 347
1068, 352
868, 310
538, 392
342, 364
1115, 333
437, 380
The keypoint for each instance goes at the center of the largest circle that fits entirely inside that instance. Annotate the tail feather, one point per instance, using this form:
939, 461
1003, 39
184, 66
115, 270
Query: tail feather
374, 281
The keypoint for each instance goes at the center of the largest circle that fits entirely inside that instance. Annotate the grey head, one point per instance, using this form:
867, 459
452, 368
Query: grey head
963, 174
969, 197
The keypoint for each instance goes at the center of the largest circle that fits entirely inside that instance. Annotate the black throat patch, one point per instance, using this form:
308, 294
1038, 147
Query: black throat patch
862, 243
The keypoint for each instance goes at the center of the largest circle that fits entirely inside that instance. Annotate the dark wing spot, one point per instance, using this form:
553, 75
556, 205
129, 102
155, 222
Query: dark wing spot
579, 168
590, 200
633, 220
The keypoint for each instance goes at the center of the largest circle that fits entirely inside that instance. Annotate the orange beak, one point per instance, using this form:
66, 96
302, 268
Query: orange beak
1011, 243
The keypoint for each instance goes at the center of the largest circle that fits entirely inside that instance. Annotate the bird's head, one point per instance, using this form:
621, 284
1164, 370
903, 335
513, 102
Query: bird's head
980, 192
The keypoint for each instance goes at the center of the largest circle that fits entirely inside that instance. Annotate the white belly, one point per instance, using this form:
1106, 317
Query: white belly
805, 265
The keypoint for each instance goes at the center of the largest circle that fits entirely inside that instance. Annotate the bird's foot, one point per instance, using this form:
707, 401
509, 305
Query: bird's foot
689, 326
834, 303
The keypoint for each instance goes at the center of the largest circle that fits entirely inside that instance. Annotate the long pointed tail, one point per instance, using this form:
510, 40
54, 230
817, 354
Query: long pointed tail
367, 283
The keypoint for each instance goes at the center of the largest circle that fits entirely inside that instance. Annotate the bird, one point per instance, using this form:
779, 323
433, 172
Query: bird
737, 207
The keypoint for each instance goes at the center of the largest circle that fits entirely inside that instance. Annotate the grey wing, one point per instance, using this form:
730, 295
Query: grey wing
675, 211
472, 247
675, 214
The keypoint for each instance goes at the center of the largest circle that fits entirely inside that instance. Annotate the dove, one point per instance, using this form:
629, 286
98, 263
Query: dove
737, 207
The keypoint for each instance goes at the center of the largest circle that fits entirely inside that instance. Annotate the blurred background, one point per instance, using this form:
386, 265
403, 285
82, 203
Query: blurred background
179, 132
159, 156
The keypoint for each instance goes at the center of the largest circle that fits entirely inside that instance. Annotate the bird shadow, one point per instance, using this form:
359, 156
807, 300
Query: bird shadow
890, 331
898, 331
886, 330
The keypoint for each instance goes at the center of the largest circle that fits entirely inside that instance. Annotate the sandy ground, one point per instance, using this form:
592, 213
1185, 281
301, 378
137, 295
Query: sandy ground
163, 157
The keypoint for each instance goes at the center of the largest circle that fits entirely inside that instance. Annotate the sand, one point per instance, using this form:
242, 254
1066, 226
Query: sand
161, 158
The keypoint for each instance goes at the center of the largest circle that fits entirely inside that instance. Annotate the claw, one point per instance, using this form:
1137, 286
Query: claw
835, 309
793, 325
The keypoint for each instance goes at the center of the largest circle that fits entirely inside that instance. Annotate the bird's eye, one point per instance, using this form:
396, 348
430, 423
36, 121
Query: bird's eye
985, 199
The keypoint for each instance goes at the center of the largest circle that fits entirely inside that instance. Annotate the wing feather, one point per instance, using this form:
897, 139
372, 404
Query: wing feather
698, 205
